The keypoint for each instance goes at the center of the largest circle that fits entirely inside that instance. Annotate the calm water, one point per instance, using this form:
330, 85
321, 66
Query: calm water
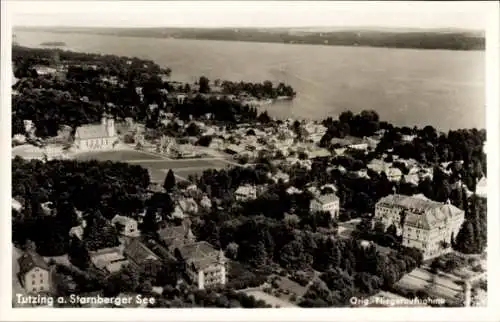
405, 86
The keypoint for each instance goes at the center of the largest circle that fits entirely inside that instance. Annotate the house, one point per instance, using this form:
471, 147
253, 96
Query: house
34, 273
184, 207
205, 202
44, 70
318, 153
329, 186
393, 174
176, 236
16, 205
19, 139
423, 223
279, 176
350, 142
205, 265
129, 225
96, 137
246, 193
216, 143
77, 231
411, 179
408, 137
234, 149
328, 202
481, 188
138, 253
181, 98
110, 260
293, 191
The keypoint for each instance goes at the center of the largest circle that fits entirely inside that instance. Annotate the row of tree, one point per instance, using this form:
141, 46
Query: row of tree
258, 90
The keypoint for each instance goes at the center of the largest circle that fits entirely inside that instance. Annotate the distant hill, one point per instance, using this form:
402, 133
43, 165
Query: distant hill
452, 39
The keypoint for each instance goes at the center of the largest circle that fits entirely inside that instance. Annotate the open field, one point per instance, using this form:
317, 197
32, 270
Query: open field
182, 168
180, 164
117, 156
157, 166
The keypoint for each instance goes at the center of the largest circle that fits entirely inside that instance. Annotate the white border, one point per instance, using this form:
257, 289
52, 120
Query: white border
384, 314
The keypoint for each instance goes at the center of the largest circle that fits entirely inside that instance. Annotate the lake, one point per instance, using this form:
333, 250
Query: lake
442, 88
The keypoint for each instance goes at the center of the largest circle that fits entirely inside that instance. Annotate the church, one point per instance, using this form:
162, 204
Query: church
96, 137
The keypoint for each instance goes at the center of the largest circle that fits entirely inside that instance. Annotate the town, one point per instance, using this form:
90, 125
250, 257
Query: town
127, 183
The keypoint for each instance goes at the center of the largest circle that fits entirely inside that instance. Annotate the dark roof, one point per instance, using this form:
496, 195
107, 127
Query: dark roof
175, 236
29, 260
200, 254
160, 250
138, 252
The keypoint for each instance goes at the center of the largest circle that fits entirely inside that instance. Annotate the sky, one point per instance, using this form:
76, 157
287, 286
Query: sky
466, 15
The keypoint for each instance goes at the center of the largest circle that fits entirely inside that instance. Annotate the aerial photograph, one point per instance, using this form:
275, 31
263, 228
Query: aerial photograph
330, 163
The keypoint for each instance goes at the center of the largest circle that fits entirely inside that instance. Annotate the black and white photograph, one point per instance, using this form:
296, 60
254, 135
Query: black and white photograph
249, 155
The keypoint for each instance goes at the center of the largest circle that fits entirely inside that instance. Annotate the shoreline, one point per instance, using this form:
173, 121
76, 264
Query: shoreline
162, 37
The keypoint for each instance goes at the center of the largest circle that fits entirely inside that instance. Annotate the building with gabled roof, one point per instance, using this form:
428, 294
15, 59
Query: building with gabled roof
481, 187
177, 236
34, 273
109, 260
138, 253
205, 265
95, 137
423, 223
129, 225
245, 193
327, 202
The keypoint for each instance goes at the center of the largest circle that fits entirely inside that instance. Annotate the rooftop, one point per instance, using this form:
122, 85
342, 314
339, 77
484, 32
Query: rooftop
138, 252
326, 199
200, 254
30, 260
423, 212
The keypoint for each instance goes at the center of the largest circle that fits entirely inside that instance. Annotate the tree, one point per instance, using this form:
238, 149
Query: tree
205, 140
293, 256
193, 130
232, 250
204, 85
379, 228
169, 183
464, 242
392, 230
78, 254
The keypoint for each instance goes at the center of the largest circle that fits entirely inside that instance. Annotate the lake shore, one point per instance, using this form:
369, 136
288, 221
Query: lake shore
439, 87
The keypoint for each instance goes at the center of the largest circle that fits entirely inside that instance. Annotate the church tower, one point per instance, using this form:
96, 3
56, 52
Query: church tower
111, 127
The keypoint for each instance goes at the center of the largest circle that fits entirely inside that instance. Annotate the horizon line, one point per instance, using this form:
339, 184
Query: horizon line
261, 27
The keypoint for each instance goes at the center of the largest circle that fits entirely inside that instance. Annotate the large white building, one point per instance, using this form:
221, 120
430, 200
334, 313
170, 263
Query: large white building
205, 265
246, 193
329, 203
129, 225
96, 137
424, 224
